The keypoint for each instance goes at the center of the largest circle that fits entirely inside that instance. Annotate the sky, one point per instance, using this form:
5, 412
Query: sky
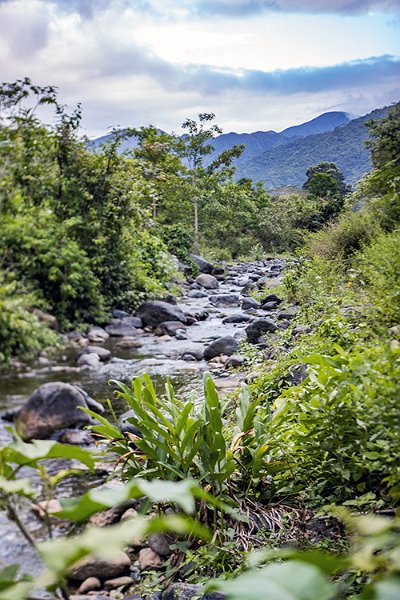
256, 64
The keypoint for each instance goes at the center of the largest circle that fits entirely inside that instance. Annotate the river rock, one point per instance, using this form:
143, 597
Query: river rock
76, 437
118, 582
181, 334
168, 328
97, 335
258, 327
106, 568
236, 360
119, 314
249, 287
197, 294
271, 298
122, 327
159, 544
225, 345
155, 312
89, 585
203, 264
237, 318
88, 360
271, 305
301, 330
101, 352
125, 426
51, 407
193, 354
250, 303
129, 342
149, 560
209, 282
46, 318
225, 300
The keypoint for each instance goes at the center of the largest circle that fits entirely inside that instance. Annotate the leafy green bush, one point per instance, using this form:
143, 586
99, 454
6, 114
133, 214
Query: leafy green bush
378, 268
41, 252
21, 333
181, 440
178, 239
338, 431
344, 238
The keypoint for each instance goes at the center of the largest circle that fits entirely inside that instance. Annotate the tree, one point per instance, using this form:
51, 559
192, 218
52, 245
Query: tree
385, 142
193, 148
325, 179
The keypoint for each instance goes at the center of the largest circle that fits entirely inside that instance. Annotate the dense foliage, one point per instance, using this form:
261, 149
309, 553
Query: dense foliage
286, 164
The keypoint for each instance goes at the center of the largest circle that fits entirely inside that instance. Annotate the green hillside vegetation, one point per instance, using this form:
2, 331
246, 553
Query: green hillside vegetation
286, 165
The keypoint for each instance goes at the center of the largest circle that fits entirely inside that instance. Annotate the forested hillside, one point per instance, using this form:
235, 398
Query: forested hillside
286, 164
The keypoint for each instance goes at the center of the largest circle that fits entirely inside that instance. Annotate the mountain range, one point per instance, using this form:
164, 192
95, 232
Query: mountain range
282, 159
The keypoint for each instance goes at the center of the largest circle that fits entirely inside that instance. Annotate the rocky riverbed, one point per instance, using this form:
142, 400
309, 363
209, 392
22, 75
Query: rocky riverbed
200, 331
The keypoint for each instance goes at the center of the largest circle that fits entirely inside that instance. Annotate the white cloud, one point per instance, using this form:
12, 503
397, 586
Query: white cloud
114, 60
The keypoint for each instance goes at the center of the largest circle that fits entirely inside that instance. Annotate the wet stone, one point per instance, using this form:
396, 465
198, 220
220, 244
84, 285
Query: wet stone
225, 345
118, 582
209, 282
149, 560
89, 585
106, 568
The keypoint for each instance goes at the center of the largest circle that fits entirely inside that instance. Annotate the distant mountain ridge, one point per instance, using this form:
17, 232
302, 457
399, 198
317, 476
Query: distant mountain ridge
287, 164
281, 159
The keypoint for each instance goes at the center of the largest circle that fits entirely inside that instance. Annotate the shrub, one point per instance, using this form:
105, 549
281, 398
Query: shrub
40, 251
181, 440
339, 430
179, 239
379, 270
344, 238
21, 333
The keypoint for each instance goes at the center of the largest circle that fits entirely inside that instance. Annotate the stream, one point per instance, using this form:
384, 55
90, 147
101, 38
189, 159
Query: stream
159, 356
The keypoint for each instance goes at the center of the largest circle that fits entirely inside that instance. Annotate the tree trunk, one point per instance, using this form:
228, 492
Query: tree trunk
196, 225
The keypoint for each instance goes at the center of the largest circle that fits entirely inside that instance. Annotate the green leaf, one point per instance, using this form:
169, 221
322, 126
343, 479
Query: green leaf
387, 589
22, 487
292, 580
23, 453
80, 509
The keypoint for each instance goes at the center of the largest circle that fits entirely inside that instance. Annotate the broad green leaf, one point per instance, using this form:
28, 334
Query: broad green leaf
80, 509
17, 591
22, 487
292, 580
387, 589
23, 453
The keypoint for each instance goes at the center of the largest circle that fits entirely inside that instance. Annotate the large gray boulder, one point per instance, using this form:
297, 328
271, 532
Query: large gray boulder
209, 282
225, 300
258, 327
101, 567
203, 264
103, 353
53, 406
155, 312
250, 303
169, 328
123, 327
226, 345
